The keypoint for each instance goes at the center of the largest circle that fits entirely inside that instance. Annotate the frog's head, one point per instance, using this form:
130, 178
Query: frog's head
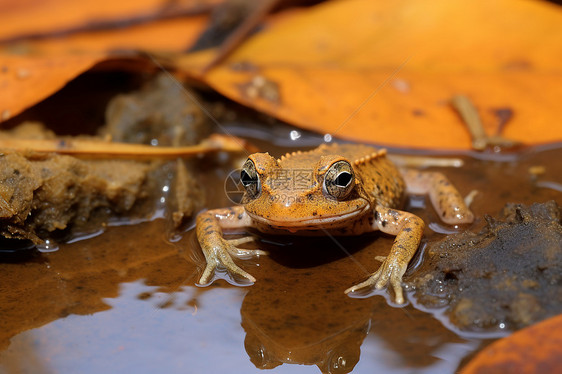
300, 193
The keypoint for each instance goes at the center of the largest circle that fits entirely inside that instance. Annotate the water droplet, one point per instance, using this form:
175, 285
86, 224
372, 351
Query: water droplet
165, 188
47, 246
294, 135
5, 114
327, 138
401, 85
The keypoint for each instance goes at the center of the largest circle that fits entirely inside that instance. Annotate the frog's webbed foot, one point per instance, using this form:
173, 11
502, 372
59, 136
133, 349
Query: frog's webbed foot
218, 251
389, 272
219, 255
408, 230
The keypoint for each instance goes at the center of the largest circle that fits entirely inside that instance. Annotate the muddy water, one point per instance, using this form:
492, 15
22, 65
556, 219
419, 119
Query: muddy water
126, 300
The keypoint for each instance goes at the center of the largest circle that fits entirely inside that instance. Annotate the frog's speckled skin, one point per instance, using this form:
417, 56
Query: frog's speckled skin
293, 199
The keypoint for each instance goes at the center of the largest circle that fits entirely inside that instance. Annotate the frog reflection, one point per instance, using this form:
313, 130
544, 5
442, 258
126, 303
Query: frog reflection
289, 324
289, 318
337, 354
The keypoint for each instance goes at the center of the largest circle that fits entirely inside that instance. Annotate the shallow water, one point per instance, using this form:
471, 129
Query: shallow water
126, 300
104, 306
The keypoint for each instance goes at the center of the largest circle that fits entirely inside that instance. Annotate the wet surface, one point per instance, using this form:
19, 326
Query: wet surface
102, 303
126, 300
503, 278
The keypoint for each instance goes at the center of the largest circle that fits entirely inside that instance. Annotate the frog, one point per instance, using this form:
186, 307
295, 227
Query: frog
334, 189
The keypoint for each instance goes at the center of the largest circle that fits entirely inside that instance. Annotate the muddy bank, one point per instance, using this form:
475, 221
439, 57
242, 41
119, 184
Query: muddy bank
505, 277
42, 194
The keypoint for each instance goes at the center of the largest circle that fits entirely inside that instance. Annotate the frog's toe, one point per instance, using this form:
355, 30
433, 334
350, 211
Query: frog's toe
382, 275
360, 286
208, 273
386, 274
369, 283
243, 240
242, 273
243, 253
398, 293
392, 274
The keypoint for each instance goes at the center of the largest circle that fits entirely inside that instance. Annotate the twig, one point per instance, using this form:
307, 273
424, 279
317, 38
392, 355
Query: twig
86, 148
425, 162
469, 115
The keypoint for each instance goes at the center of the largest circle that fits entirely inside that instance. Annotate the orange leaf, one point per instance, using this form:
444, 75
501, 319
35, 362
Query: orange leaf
536, 349
385, 72
23, 18
25, 80
31, 71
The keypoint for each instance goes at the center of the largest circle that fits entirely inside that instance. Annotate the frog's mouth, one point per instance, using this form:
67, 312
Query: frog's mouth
311, 221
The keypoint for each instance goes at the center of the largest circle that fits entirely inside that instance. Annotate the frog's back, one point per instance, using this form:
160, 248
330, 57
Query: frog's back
352, 152
378, 176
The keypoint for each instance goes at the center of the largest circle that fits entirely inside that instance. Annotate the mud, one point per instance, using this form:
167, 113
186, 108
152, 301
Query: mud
162, 112
43, 193
127, 298
47, 195
504, 277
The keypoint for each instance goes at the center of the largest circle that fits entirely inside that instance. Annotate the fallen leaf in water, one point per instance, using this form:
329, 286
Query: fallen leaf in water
536, 349
385, 72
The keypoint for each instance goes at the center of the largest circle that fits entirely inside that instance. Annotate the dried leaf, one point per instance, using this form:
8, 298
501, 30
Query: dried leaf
31, 18
536, 349
31, 70
385, 72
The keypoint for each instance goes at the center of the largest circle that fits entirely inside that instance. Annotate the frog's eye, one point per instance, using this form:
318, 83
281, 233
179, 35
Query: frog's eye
339, 180
250, 179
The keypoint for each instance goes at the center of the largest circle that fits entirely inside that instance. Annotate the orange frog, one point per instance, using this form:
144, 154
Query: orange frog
337, 189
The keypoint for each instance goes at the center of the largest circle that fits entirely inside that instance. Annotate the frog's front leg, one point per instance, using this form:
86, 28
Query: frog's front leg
444, 197
408, 229
217, 250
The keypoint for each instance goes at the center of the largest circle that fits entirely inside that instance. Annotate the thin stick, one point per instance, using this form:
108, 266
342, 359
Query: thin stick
425, 162
470, 117
104, 149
